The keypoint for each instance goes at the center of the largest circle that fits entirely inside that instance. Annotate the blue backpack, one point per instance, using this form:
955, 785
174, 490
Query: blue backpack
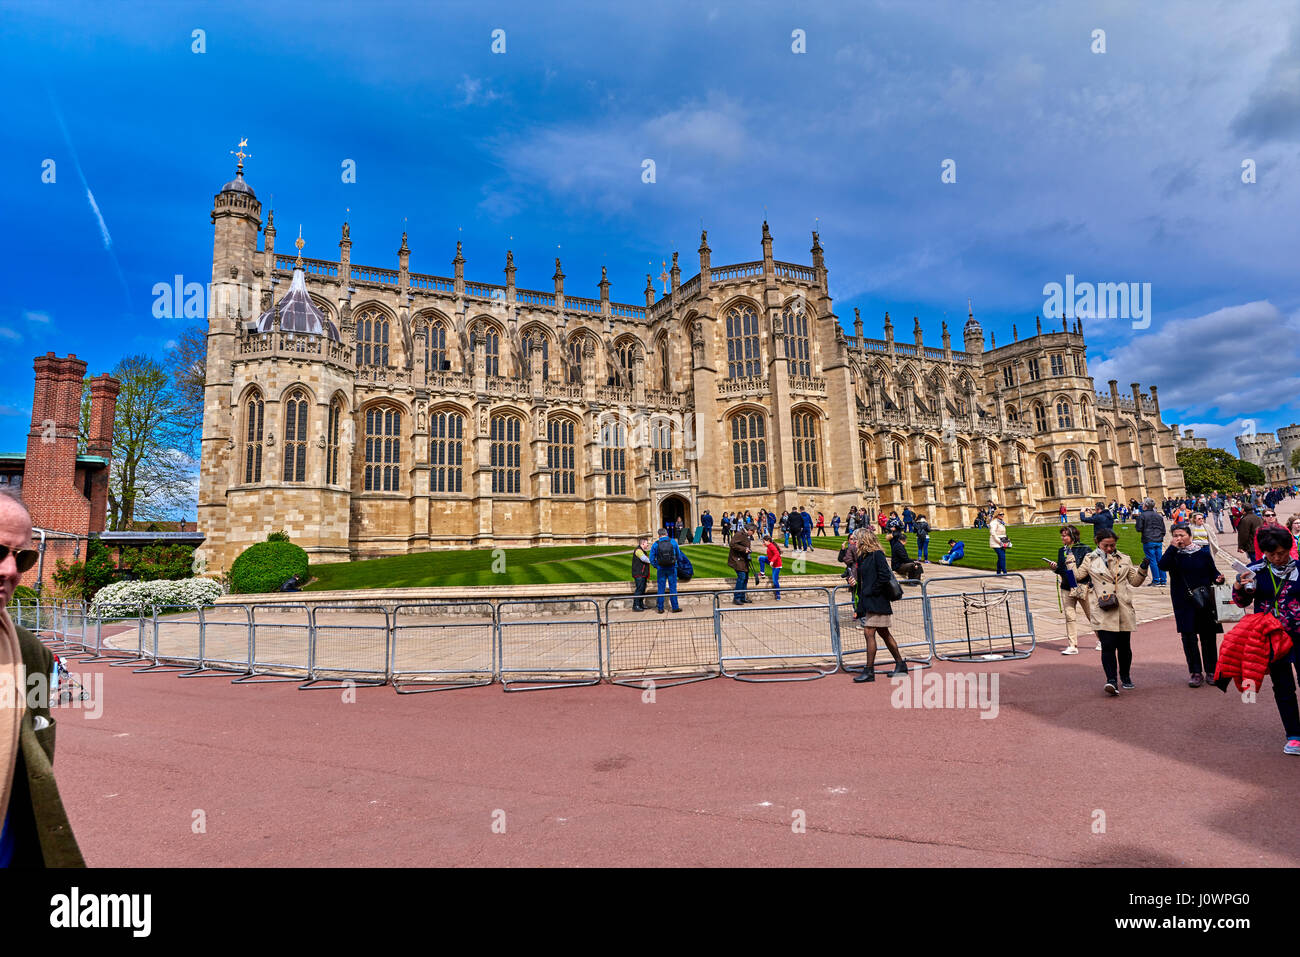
685, 570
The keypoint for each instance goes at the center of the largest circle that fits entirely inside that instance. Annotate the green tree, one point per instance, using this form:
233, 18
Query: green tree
1248, 473
187, 365
1205, 470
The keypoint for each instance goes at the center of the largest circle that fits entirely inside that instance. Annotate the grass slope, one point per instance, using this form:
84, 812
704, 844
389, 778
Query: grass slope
1029, 545
547, 565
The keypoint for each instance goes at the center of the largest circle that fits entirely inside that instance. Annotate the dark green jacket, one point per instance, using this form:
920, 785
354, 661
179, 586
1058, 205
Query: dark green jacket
42, 835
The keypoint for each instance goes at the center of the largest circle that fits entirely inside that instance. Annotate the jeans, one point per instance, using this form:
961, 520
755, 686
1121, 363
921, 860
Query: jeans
807, 538
1284, 694
1207, 654
742, 580
1002, 560
1218, 521
1117, 644
708, 534
1152, 551
1063, 518
836, 526
776, 582
762, 564
638, 604
909, 526
787, 538
667, 578
948, 558
923, 548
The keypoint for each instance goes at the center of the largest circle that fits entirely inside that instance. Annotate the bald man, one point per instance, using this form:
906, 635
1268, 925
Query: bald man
35, 832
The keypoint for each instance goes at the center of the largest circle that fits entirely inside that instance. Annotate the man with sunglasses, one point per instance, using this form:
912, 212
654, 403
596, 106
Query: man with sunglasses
35, 830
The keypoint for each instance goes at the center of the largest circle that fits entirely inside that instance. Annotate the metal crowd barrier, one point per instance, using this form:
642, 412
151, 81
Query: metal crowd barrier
909, 631
979, 626
440, 646
561, 651
348, 643
790, 640
642, 646
533, 644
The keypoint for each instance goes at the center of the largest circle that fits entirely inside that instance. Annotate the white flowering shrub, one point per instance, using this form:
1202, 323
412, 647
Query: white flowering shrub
129, 598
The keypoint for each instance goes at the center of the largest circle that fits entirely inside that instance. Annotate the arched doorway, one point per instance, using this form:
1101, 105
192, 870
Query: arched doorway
675, 512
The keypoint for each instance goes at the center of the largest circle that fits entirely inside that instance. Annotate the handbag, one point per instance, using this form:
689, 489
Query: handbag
1202, 598
1108, 601
1226, 609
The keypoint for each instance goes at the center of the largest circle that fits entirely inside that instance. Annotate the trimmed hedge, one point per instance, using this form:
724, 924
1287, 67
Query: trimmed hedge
23, 593
266, 566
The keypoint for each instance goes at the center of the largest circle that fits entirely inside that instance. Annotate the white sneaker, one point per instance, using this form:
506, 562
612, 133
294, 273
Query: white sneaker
1069, 651
1098, 648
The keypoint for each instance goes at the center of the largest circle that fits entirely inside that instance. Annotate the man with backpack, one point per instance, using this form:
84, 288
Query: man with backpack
665, 555
922, 538
640, 571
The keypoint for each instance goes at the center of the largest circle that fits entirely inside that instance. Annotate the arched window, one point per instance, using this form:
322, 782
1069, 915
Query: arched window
613, 457
896, 460
864, 447
332, 443
1073, 478
1064, 417
383, 449
575, 360
1093, 487
796, 340
254, 419
665, 370
435, 348
504, 454
295, 437
961, 464
661, 445
927, 448
1040, 417
742, 342
1085, 415
749, 450
561, 455
537, 337
446, 451
626, 360
805, 449
491, 339
1048, 476
1012, 414
372, 339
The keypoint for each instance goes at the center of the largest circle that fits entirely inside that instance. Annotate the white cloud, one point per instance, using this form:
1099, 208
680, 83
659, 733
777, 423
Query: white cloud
1236, 362
475, 92
32, 315
7, 333
1218, 435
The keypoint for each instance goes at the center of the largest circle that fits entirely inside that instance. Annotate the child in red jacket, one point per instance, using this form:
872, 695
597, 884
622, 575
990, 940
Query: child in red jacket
774, 560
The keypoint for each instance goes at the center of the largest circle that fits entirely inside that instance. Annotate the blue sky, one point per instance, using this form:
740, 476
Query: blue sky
1116, 166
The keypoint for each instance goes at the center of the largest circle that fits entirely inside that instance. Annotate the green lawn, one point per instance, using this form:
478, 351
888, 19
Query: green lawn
547, 565
1029, 544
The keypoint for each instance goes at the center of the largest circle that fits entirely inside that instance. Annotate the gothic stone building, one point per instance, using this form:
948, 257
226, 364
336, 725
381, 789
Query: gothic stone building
370, 411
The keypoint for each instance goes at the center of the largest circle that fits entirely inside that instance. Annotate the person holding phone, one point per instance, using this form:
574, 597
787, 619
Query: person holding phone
1074, 596
1192, 577
1111, 575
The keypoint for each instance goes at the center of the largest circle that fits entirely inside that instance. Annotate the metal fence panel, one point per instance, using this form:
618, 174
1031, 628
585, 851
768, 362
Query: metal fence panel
280, 643
348, 641
909, 631
788, 640
174, 639
979, 617
438, 646
668, 649
226, 640
548, 643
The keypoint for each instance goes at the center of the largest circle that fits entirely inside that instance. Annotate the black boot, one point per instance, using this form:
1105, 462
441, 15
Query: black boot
868, 674
900, 668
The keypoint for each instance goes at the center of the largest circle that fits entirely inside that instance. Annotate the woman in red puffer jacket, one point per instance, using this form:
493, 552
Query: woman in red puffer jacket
1272, 585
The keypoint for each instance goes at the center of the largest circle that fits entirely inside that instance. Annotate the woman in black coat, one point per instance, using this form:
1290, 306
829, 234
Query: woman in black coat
870, 574
1190, 566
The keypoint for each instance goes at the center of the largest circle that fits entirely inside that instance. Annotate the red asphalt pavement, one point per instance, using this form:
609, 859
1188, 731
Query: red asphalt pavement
711, 773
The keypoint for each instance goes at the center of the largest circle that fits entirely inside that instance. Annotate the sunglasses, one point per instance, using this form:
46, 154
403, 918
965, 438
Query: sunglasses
24, 557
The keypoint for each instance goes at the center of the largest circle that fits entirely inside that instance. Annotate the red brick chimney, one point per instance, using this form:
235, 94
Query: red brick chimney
49, 475
99, 441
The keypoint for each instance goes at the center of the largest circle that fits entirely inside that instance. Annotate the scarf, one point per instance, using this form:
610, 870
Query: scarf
12, 695
1191, 549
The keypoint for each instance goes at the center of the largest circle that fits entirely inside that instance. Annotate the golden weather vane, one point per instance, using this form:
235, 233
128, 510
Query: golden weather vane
299, 243
239, 152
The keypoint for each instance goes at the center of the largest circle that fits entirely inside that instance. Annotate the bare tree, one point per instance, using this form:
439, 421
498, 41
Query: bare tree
151, 474
187, 365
